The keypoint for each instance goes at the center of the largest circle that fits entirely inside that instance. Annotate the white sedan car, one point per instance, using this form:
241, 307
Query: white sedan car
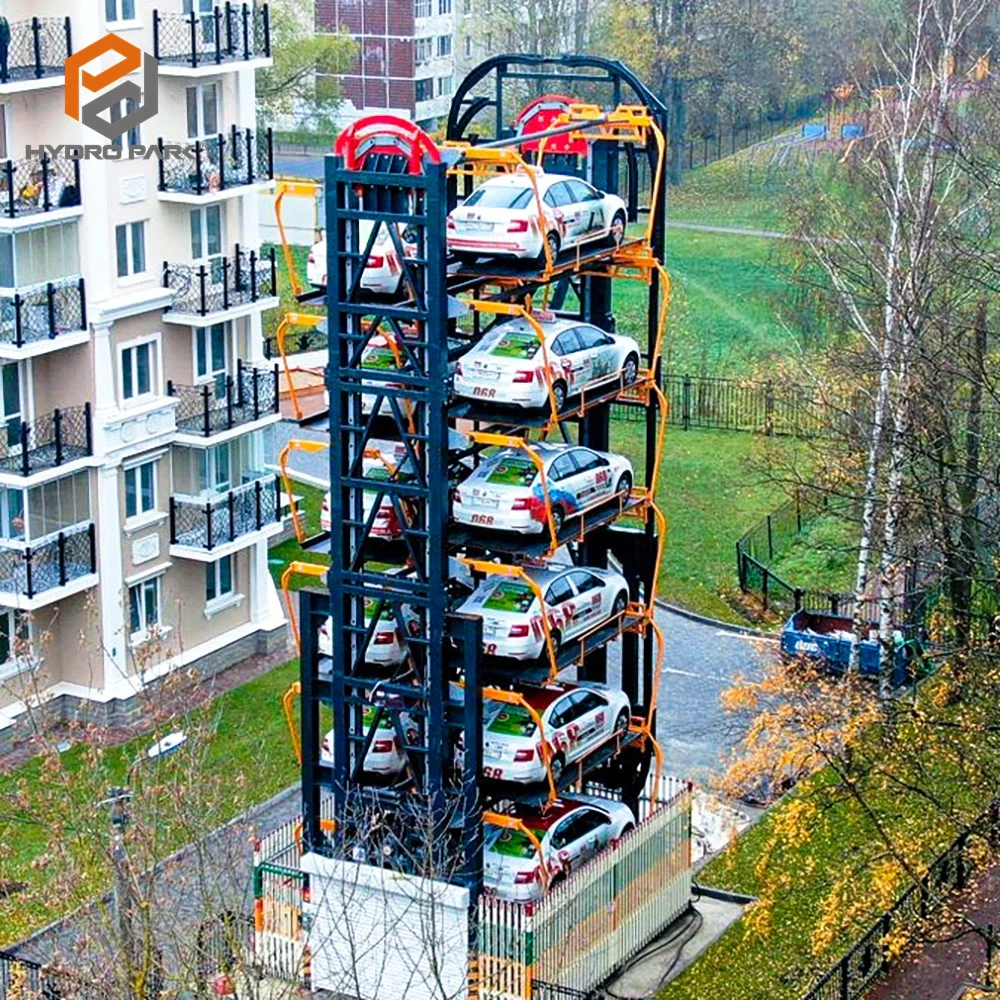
386, 755
388, 646
577, 718
577, 599
501, 217
571, 831
505, 492
507, 365
387, 524
383, 271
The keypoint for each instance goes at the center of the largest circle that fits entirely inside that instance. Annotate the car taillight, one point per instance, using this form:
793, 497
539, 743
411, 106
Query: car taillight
523, 756
522, 503
451, 223
375, 262
324, 629
458, 368
524, 376
457, 495
383, 638
312, 259
382, 746
518, 226
526, 878
326, 746
535, 504
518, 632
326, 503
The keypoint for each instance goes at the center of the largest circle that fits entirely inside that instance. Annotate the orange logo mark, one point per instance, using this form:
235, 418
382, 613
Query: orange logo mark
75, 74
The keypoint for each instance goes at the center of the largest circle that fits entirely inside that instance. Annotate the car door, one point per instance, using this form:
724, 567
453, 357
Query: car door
588, 207
559, 602
562, 482
600, 353
568, 359
559, 854
589, 601
560, 198
591, 833
593, 721
592, 480
559, 719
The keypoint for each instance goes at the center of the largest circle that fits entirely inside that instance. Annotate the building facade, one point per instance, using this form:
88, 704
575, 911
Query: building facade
135, 509
406, 56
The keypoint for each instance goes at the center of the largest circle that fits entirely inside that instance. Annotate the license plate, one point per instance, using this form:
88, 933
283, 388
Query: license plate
489, 502
485, 375
491, 630
479, 227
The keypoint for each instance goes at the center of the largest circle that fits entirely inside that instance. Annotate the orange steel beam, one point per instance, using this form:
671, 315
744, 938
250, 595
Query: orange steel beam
286, 700
304, 569
309, 320
313, 447
299, 189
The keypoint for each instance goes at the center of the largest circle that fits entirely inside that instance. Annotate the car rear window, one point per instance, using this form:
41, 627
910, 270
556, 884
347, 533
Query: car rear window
516, 344
510, 595
388, 615
500, 196
512, 844
512, 720
517, 470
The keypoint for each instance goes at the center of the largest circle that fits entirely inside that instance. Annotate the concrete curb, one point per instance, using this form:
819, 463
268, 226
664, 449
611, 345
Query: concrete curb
722, 894
693, 616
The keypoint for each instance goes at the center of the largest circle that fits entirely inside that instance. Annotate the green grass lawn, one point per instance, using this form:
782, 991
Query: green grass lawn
287, 301
291, 549
823, 557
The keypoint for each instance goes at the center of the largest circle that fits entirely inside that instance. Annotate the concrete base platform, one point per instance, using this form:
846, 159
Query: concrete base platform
674, 950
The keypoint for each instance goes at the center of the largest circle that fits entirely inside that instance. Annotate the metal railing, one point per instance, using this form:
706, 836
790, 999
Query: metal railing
32, 568
36, 48
228, 401
28, 187
46, 442
205, 524
229, 33
868, 959
43, 312
219, 162
222, 283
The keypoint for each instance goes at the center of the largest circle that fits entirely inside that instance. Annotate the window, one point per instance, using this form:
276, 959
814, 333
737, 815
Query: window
210, 356
219, 579
424, 89
562, 468
559, 591
206, 232
119, 10
130, 248
117, 115
36, 256
202, 110
422, 50
566, 343
214, 465
445, 85
144, 607
444, 6
137, 370
444, 46
585, 582
591, 337
13, 634
557, 195
422, 8
11, 514
588, 460
140, 489
10, 403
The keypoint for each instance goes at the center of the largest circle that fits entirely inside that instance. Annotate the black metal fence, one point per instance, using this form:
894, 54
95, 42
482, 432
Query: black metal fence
36, 48
226, 160
868, 959
46, 442
222, 283
53, 561
228, 33
42, 312
301, 342
31, 186
228, 401
204, 524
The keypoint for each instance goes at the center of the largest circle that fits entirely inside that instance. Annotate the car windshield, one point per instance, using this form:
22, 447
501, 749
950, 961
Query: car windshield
511, 844
512, 720
517, 470
521, 344
510, 595
500, 196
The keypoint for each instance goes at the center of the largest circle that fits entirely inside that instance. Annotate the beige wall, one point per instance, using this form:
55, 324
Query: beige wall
62, 378
67, 636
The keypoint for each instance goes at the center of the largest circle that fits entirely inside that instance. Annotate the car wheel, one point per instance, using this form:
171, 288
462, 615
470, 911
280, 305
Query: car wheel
630, 370
556, 636
552, 242
621, 603
559, 395
617, 231
624, 484
621, 723
556, 880
557, 765
626, 830
558, 518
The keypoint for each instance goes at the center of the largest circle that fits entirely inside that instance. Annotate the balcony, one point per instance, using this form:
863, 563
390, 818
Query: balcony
49, 568
228, 403
35, 54
48, 442
207, 529
29, 188
231, 35
222, 166
237, 286
42, 318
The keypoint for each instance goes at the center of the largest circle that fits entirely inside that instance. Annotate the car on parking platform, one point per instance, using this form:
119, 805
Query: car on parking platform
508, 364
388, 643
507, 493
576, 719
386, 755
503, 217
383, 271
577, 600
571, 831
387, 524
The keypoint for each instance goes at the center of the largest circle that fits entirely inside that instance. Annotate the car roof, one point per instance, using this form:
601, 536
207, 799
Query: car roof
550, 327
544, 819
520, 179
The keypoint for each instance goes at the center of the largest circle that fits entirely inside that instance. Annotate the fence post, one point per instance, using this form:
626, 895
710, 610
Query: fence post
231, 503
205, 416
25, 465
798, 514
173, 522
61, 544
246, 31
36, 32
686, 403
229, 402
740, 568
194, 45
50, 301
46, 199
257, 492
960, 862
57, 431
797, 595
770, 538
208, 524
768, 408
27, 568
8, 169
845, 978
886, 927
764, 575
218, 36
225, 283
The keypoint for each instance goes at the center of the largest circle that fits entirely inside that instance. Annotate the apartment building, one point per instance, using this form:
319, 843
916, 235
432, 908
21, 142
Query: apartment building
135, 508
405, 61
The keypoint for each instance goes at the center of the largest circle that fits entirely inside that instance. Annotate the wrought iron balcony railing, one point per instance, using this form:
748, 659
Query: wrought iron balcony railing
222, 283
220, 162
42, 312
28, 187
47, 442
233, 32
35, 49
207, 524
32, 568
226, 402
